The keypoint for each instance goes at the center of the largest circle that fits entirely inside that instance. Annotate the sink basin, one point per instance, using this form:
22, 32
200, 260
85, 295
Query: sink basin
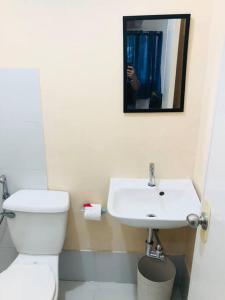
133, 202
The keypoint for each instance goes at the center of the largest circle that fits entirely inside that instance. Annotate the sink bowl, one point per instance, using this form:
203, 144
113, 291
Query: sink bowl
134, 203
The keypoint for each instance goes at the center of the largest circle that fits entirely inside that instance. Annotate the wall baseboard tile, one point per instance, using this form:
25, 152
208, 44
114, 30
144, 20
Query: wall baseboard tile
109, 267
98, 266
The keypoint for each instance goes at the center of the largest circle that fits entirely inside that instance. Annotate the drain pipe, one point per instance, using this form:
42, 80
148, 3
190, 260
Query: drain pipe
149, 242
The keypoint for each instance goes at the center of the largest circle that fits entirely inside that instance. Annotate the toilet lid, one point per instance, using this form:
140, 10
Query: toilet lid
26, 282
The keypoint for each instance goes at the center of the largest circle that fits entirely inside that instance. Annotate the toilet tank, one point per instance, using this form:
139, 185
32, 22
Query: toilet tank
39, 225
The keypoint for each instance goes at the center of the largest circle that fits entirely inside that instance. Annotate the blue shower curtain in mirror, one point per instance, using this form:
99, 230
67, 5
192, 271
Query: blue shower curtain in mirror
144, 51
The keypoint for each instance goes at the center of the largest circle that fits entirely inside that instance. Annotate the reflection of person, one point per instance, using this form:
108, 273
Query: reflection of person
133, 85
131, 74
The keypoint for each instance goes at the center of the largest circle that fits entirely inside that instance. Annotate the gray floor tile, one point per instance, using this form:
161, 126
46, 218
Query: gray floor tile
78, 290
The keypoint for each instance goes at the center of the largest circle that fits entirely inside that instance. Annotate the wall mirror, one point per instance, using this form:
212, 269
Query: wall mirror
155, 57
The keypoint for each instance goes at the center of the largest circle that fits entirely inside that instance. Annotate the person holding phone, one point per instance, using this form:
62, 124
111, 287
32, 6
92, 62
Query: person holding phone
133, 85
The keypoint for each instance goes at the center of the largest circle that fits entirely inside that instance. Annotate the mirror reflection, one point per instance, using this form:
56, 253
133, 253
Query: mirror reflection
155, 53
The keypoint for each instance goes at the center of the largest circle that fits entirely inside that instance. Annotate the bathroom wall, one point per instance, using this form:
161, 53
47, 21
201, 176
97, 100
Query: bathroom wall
216, 46
77, 46
22, 155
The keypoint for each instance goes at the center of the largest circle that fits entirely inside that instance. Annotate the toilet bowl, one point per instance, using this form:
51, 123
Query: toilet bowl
38, 232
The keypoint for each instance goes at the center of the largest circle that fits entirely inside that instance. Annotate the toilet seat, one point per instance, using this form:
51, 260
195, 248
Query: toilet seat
28, 281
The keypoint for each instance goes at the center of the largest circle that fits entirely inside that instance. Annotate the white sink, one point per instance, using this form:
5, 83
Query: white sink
133, 202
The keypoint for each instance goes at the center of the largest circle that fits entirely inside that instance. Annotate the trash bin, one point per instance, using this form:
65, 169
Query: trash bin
155, 279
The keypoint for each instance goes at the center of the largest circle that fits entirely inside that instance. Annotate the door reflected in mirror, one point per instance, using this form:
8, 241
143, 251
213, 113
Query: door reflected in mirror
155, 56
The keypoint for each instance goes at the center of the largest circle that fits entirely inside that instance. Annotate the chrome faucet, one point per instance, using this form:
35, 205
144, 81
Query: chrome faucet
151, 175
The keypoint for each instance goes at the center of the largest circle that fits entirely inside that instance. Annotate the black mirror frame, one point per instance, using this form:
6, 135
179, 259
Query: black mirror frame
187, 17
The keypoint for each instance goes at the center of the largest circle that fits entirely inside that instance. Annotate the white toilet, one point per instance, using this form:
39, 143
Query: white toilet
38, 232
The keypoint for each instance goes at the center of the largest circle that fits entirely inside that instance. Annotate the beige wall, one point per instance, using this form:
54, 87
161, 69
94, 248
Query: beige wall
77, 45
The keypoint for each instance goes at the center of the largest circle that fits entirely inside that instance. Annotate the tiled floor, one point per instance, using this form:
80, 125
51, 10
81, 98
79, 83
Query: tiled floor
76, 290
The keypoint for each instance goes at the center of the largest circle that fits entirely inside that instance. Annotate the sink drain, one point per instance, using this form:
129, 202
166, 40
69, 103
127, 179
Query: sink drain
151, 215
